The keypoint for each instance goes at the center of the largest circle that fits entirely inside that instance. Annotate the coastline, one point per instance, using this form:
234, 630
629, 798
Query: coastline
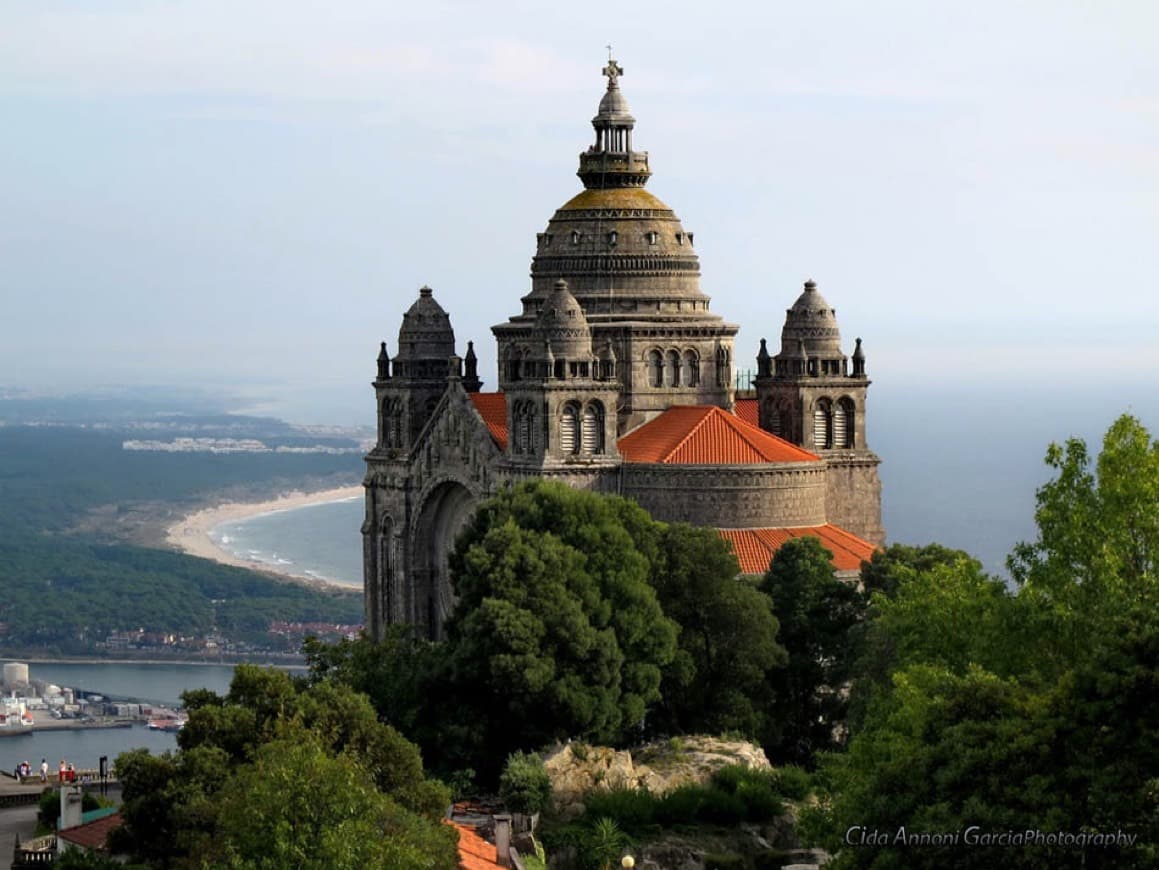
191, 533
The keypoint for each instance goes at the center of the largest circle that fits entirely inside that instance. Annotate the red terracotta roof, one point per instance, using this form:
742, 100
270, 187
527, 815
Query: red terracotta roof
748, 410
94, 835
706, 435
475, 853
492, 407
755, 547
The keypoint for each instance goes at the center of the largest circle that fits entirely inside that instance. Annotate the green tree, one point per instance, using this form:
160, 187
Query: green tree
889, 568
727, 644
820, 619
1032, 710
1097, 550
557, 631
297, 805
180, 807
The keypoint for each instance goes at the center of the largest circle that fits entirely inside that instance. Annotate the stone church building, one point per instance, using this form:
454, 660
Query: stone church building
615, 376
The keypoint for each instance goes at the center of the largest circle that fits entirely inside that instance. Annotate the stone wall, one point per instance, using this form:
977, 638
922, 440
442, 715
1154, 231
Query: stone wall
853, 493
733, 496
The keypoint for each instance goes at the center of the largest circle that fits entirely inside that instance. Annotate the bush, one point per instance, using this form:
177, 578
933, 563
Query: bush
524, 785
633, 809
794, 782
723, 861
681, 806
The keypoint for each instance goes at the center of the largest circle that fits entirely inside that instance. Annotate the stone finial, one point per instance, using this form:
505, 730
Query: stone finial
426, 291
764, 361
383, 363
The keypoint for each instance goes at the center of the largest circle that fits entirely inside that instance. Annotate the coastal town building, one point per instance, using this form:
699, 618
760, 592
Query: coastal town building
615, 376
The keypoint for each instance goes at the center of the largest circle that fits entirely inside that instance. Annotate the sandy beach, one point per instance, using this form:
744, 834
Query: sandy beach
190, 534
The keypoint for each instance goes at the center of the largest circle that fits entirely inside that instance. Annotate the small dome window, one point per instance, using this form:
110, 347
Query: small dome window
652, 237
680, 238
576, 235
613, 237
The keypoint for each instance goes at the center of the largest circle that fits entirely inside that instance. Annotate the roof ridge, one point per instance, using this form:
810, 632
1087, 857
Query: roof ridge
692, 431
733, 421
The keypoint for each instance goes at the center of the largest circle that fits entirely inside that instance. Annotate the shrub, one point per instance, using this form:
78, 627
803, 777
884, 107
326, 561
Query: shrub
723, 861
681, 806
524, 785
793, 782
721, 808
633, 809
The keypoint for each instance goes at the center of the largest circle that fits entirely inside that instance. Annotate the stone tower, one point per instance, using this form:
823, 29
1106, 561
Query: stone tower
561, 402
409, 387
810, 395
631, 266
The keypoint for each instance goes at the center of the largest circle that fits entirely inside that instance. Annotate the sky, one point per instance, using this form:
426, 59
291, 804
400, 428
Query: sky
248, 195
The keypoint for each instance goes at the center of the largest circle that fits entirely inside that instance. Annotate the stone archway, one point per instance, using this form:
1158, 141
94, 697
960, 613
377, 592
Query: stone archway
444, 512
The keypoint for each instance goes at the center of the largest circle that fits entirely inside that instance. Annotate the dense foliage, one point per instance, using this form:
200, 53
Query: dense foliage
66, 588
821, 620
277, 775
1019, 710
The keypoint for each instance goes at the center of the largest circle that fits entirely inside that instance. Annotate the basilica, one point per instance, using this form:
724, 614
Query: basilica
615, 376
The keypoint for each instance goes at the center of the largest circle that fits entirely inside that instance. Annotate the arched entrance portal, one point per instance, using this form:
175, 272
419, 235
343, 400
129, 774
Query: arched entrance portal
442, 516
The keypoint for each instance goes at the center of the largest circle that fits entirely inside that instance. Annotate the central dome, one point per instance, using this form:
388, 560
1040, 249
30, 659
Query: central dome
622, 251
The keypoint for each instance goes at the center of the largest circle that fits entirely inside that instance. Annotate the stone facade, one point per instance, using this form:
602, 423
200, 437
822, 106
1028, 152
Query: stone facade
615, 332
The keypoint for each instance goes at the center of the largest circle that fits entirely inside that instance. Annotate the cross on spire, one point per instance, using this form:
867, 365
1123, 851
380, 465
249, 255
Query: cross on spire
613, 70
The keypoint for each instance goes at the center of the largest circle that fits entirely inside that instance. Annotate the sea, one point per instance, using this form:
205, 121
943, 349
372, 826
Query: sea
322, 541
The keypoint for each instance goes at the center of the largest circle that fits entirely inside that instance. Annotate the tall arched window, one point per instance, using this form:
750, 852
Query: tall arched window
822, 425
386, 573
655, 369
395, 420
523, 416
672, 369
773, 418
569, 429
723, 369
691, 374
843, 423
592, 440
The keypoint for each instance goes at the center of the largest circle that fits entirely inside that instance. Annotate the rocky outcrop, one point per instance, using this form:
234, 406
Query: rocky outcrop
576, 769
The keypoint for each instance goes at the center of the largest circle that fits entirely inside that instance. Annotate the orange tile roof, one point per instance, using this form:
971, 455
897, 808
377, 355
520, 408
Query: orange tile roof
475, 853
94, 835
492, 407
706, 435
755, 547
748, 410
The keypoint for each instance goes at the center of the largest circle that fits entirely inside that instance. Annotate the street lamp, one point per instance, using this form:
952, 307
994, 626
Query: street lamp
627, 862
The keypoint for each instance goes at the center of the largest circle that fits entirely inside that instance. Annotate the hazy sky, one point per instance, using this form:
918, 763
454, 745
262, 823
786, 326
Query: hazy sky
213, 191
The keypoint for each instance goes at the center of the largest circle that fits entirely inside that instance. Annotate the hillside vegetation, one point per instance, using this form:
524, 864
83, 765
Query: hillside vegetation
68, 584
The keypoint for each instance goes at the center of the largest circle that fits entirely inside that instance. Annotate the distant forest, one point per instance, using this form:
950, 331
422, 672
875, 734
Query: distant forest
67, 583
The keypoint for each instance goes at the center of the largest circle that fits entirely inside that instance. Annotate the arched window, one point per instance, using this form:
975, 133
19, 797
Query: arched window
822, 425
672, 369
691, 375
655, 369
569, 430
593, 428
523, 416
386, 574
772, 417
393, 424
723, 368
843, 424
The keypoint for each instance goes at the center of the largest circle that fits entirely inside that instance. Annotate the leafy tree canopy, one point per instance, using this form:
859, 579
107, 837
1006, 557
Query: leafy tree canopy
557, 631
